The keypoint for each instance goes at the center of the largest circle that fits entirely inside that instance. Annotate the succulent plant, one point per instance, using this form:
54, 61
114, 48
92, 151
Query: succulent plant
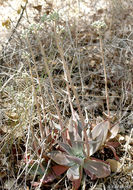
74, 156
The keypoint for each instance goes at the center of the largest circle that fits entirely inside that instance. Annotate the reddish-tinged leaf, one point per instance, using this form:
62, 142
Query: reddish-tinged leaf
74, 159
60, 158
76, 184
73, 173
50, 177
58, 169
66, 147
75, 127
92, 176
95, 168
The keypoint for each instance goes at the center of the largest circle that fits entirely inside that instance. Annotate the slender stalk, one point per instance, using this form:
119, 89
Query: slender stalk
67, 75
35, 95
40, 89
52, 86
105, 77
68, 78
36, 146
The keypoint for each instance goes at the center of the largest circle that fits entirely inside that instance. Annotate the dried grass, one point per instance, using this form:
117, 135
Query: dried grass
39, 89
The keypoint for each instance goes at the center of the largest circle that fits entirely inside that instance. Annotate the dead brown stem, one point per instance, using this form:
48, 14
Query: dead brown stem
52, 86
68, 79
105, 77
40, 89
35, 95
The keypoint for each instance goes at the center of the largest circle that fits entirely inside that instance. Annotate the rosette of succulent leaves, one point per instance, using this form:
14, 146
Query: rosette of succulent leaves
76, 155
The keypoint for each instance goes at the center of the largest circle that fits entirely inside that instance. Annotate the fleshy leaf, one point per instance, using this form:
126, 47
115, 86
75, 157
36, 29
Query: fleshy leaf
100, 130
80, 129
75, 159
60, 158
66, 147
75, 128
77, 149
50, 177
92, 176
114, 131
76, 184
98, 136
96, 168
95, 145
73, 173
58, 169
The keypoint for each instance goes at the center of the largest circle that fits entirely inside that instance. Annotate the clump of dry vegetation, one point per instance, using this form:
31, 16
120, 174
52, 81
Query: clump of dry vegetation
66, 101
